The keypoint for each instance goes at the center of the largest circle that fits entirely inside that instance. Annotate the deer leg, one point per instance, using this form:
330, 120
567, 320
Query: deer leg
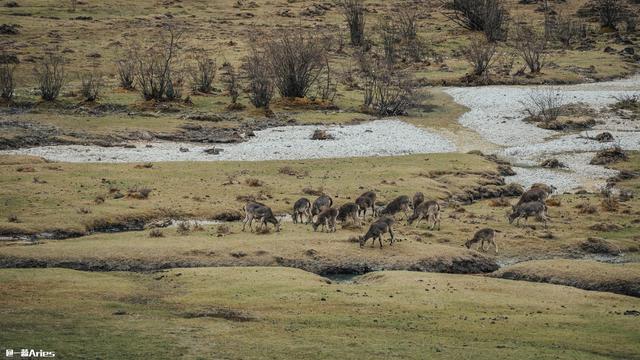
392, 237
380, 240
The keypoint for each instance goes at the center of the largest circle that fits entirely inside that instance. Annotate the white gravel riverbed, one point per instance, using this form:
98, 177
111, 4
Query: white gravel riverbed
377, 138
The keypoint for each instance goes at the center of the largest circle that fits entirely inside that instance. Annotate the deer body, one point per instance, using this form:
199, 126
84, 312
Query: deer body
429, 210
326, 218
301, 208
483, 236
366, 201
377, 229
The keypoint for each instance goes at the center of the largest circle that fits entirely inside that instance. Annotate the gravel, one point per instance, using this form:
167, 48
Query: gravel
377, 138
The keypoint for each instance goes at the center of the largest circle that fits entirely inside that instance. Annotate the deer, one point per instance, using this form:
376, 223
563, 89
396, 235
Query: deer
429, 210
261, 212
418, 198
301, 208
526, 210
326, 218
365, 201
481, 236
377, 229
349, 211
321, 202
537, 192
401, 203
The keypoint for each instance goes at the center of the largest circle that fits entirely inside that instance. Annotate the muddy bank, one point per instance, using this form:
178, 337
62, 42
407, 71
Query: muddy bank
473, 264
583, 274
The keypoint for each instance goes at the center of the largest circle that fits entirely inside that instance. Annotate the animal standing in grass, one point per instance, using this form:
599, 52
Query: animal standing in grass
349, 211
301, 208
429, 210
483, 236
323, 201
366, 201
531, 209
401, 203
260, 212
326, 219
378, 228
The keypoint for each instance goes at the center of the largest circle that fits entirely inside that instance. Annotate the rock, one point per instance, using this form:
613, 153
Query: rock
184, 150
629, 51
552, 164
632, 313
213, 151
604, 137
321, 135
506, 170
595, 245
609, 50
608, 156
9, 29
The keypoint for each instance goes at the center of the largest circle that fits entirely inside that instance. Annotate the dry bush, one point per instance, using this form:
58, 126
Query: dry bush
7, 81
231, 83
544, 105
90, 85
183, 228
353, 11
260, 87
156, 68
203, 73
480, 54
253, 182
223, 229
288, 170
313, 192
388, 33
296, 61
388, 91
555, 202
566, 30
156, 233
327, 88
531, 45
139, 193
99, 199
413, 46
13, 218
586, 208
197, 227
126, 69
610, 12
499, 202
488, 16
50, 74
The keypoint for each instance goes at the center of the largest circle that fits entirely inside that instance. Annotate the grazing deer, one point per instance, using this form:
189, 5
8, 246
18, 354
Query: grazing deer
526, 210
261, 212
377, 229
320, 203
481, 236
326, 218
537, 192
366, 201
418, 198
429, 210
301, 208
401, 203
349, 210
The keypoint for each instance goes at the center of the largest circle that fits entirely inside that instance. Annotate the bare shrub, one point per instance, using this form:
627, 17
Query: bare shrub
566, 30
126, 69
253, 182
90, 85
353, 11
327, 88
203, 73
296, 61
260, 87
388, 91
288, 170
388, 34
99, 200
183, 228
7, 81
610, 12
13, 218
231, 83
544, 105
156, 74
480, 54
488, 16
156, 233
50, 74
531, 45
140, 193
586, 208
413, 46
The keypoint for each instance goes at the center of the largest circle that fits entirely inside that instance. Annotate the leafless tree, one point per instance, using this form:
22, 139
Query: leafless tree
90, 85
232, 83
353, 11
50, 74
488, 16
388, 33
7, 81
407, 19
480, 53
296, 60
126, 68
531, 45
327, 87
566, 30
203, 73
155, 66
387, 91
610, 12
260, 83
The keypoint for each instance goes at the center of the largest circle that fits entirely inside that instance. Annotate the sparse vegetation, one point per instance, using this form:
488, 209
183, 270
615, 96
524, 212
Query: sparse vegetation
487, 16
7, 81
90, 85
203, 72
480, 54
260, 82
531, 45
353, 11
50, 74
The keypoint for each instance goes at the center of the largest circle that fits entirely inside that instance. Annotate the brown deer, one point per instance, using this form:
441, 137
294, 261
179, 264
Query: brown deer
261, 212
349, 211
326, 218
401, 203
429, 210
537, 192
377, 229
526, 210
418, 198
321, 202
481, 236
366, 201
301, 208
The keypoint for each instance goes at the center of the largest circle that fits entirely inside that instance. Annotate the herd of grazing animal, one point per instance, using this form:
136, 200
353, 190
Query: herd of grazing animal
322, 214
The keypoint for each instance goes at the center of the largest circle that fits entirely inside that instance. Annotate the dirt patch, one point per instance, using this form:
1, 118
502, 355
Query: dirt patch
595, 245
588, 275
220, 313
609, 156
